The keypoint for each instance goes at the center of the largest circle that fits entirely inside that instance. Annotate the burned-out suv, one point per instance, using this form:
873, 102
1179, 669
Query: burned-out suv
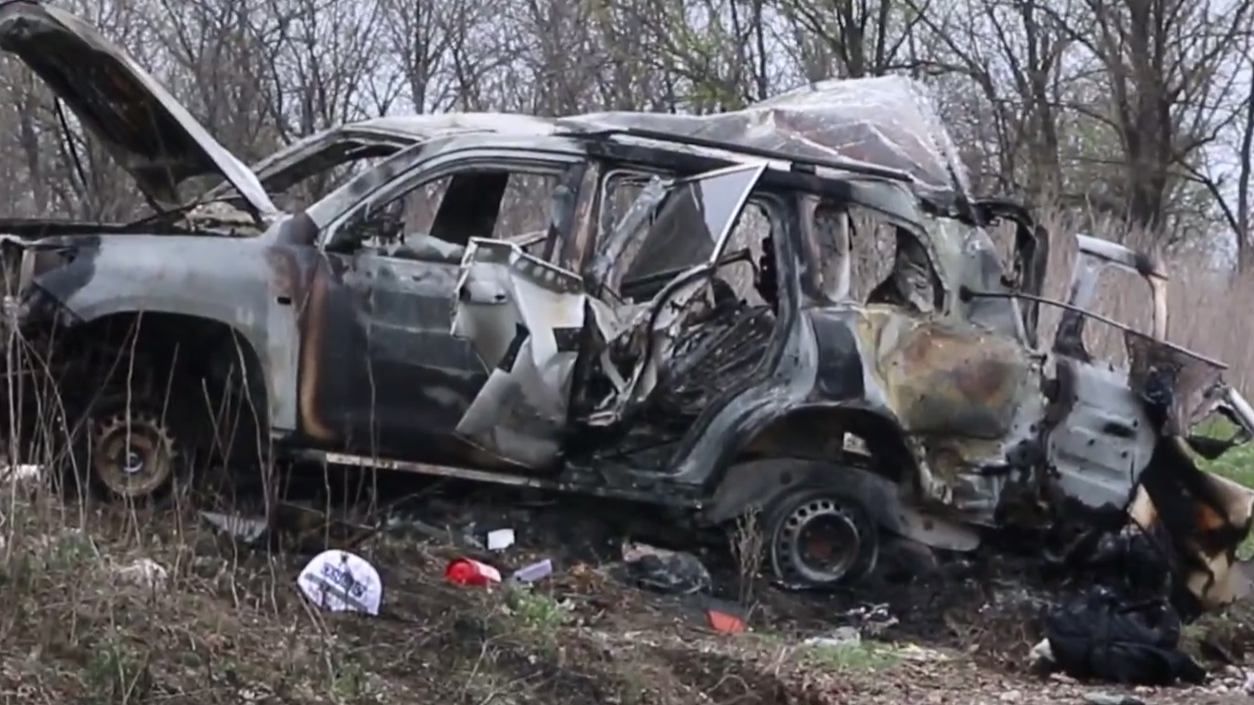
794, 310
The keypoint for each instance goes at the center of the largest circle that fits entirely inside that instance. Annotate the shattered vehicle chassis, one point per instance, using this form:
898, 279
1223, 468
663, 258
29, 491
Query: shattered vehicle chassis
684, 330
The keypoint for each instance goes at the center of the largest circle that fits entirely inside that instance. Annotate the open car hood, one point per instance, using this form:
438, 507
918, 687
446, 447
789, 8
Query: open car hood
150, 134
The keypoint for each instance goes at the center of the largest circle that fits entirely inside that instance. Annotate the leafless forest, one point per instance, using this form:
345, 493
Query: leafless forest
1133, 118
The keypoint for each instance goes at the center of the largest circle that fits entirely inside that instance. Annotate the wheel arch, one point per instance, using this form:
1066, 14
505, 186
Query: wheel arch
815, 432
752, 485
205, 348
243, 284
805, 445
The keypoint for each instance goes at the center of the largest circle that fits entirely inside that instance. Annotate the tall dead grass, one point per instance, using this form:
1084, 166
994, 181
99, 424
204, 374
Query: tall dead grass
1210, 309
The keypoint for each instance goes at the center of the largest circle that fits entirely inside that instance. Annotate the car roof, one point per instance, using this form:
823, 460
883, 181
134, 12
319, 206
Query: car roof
417, 128
486, 127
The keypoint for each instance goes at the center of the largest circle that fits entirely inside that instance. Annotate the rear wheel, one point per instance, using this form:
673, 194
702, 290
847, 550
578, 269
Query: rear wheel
820, 538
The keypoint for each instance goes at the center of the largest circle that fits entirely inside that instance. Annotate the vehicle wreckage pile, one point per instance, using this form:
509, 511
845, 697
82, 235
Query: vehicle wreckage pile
688, 322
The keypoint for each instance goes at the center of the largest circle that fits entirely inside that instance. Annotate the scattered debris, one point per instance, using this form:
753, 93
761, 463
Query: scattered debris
921, 654
296, 527
468, 571
722, 616
843, 637
902, 559
248, 530
1041, 658
21, 473
674, 572
1101, 698
145, 573
872, 619
532, 572
461, 539
1100, 635
724, 622
500, 539
342, 582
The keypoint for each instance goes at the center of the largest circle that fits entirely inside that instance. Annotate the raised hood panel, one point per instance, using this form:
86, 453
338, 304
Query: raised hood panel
147, 130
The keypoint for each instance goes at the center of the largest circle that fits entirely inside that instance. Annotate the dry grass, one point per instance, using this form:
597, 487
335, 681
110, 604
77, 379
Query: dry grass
226, 625
1209, 309
748, 547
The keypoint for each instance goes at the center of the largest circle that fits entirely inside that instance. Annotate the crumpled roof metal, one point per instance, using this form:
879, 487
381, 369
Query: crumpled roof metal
887, 121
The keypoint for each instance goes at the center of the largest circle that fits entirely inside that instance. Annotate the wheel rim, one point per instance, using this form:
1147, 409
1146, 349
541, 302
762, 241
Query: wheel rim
133, 457
818, 542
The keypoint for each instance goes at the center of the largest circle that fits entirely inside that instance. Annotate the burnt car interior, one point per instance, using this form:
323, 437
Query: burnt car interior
435, 220
717, 346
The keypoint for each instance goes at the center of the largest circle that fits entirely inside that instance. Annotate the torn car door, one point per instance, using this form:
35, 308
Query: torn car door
1101, 437
523, 317
532, 322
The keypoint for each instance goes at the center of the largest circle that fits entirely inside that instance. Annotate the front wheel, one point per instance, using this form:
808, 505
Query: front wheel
820, 538
128, 449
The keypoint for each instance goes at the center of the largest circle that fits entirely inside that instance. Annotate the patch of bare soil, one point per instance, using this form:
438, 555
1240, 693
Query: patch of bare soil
84, 620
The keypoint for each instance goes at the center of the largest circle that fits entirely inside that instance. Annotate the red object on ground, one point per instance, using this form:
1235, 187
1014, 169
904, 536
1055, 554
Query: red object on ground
724, 622
467, 571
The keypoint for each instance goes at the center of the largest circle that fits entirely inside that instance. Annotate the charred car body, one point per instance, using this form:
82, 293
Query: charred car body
654, 308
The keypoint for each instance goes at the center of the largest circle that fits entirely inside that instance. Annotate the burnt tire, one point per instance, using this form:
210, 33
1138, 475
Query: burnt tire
126, 449
819, 538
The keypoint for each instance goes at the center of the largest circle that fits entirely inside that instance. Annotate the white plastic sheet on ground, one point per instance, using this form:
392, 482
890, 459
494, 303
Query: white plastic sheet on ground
340, 581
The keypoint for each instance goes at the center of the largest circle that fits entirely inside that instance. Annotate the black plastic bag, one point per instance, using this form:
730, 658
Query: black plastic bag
1100, 635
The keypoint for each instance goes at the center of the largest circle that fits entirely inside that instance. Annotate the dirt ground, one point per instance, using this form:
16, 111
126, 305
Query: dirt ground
226, 624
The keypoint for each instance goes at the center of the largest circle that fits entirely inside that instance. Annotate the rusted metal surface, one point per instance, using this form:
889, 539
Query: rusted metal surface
1189, 386
940, 380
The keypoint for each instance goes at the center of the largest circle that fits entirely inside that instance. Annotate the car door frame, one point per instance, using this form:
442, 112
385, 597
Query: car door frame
337, 253
550, 334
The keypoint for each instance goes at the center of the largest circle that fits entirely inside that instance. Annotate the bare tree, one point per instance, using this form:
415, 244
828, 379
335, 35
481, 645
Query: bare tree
1160, 61
855, 38
1014, 54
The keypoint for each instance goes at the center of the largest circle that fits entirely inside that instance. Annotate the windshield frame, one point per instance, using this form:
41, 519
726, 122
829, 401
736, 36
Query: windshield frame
607, 268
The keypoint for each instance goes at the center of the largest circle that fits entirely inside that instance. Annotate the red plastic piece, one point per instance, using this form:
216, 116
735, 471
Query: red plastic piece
467, 571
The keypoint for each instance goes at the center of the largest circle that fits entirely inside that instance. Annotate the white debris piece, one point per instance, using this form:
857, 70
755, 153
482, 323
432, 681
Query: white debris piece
1103, 698
914, 652
532, 573
340, 581
145, 573
22, 473
1042, 656
245, 529
843, 637
500, 539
